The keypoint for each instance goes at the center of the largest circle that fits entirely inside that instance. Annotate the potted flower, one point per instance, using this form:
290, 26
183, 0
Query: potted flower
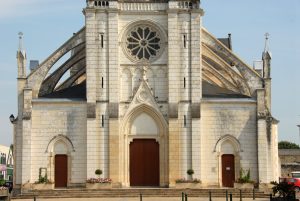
188, 183
3, 190
98, 183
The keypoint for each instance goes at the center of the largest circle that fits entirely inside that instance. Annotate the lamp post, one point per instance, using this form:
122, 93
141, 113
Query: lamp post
12, 118
13, 121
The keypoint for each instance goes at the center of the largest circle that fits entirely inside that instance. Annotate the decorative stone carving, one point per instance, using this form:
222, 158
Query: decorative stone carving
143, 42
143, 95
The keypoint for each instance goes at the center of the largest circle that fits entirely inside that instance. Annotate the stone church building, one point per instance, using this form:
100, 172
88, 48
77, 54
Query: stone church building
148, 93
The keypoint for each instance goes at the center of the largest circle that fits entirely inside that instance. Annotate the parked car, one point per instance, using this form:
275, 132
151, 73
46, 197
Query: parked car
292, 180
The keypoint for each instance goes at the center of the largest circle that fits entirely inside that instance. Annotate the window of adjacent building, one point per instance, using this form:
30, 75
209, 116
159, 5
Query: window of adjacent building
3, 159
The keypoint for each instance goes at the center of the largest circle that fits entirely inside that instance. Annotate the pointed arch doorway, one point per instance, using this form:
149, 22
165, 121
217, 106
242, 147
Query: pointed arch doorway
145, 149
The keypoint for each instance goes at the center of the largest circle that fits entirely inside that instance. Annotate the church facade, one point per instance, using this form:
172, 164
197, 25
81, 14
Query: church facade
150, 94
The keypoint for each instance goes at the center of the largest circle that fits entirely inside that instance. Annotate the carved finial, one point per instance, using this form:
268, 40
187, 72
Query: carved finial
145, 73
267, 42
20, 41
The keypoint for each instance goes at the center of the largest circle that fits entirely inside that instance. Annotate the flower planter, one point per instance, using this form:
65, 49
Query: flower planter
98, 185
243, 185
4, 193
266, 188
187, 185
43, 186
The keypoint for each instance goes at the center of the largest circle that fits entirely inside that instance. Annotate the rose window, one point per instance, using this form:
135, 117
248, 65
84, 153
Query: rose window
143, 43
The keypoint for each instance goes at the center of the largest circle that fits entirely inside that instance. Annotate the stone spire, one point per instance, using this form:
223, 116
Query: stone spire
21, 58
266, 57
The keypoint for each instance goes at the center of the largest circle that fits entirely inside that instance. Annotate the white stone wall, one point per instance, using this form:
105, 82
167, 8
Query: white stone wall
50, 119
237, 118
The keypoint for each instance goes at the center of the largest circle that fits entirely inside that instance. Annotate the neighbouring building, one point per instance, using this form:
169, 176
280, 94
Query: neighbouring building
6, 163
289, 161
150, 94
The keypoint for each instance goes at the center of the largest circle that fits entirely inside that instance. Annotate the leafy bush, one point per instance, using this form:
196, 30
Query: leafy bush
2, 182
284, 190
98, 172
287, 145
190, 171
244, 176
42, 180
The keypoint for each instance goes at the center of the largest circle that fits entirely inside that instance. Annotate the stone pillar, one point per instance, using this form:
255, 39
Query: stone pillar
113, 93
92, 47
174, 82
262, 140
196, 89
26, 138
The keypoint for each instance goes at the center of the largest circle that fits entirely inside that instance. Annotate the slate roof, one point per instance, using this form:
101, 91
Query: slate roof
213, 91
76, 91
208, 90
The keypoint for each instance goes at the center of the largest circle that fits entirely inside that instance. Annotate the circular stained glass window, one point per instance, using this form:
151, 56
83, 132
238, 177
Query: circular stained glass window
143, 43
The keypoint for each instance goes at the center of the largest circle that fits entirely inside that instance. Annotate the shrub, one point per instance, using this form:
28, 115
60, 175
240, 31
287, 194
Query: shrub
284, 190
42, 180
2, 182
244, 176
98, 172
190, 171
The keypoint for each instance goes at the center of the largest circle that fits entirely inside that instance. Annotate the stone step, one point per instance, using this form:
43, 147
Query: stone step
88, 193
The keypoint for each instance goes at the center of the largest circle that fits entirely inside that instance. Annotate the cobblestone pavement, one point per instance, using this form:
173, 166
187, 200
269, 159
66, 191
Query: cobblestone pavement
144, 199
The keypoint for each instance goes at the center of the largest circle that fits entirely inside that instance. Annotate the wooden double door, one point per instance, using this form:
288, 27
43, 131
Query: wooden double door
61, 171
144, 162
228, 171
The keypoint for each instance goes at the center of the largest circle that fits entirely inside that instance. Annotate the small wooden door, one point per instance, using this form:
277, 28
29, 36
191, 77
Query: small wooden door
61, 171
228, 172
144, 162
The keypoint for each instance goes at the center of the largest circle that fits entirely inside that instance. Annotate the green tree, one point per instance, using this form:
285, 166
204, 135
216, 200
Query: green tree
287, 145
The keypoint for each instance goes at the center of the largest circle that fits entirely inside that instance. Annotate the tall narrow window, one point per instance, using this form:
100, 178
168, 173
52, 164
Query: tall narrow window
184, 84
102, 82
184, 120
184, 41
102, 40
102, 121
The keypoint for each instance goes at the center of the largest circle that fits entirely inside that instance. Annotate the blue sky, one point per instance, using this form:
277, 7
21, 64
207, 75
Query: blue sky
49, 23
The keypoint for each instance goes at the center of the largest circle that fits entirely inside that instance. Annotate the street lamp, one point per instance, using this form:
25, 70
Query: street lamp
12, 118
